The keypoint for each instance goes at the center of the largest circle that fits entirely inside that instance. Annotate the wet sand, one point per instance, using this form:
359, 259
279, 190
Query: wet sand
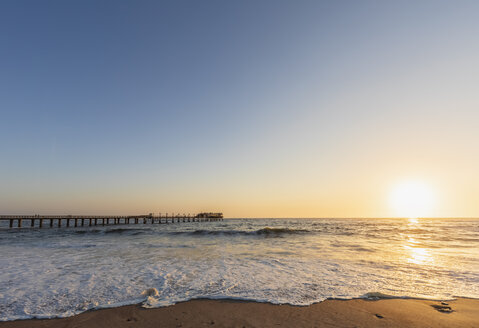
230, 313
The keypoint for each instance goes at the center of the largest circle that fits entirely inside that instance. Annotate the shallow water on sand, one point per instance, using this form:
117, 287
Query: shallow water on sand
61, 272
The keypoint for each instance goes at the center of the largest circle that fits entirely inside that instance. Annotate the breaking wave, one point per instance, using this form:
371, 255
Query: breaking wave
260, 232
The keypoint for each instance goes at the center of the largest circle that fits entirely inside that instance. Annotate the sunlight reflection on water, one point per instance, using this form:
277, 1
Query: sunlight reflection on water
416, 253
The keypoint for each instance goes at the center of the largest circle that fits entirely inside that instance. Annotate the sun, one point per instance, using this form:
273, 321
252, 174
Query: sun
412, 199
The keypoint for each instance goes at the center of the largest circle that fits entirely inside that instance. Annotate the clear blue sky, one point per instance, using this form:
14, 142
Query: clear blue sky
256, 108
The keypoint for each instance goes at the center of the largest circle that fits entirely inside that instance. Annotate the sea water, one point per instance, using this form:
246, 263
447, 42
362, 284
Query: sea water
53, 272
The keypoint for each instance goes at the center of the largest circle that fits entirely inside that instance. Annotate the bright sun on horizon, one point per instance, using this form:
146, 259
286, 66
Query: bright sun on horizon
412, 199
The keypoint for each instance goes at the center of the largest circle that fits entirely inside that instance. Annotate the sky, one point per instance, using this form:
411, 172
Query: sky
251, 108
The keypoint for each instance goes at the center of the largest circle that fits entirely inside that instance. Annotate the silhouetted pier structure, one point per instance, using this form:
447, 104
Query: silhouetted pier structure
40, 221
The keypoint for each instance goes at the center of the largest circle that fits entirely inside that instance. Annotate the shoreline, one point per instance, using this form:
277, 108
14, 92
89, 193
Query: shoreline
359, 312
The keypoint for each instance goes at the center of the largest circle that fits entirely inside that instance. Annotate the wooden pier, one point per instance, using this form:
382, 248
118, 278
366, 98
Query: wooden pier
41, 221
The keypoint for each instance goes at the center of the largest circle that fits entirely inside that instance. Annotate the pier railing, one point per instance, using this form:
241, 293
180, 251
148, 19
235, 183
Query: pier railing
41, 221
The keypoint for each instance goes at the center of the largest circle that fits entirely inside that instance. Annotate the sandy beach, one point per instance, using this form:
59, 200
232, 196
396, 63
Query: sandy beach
229, 313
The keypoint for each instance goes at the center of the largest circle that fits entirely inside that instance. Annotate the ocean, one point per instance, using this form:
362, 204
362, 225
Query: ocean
53, 272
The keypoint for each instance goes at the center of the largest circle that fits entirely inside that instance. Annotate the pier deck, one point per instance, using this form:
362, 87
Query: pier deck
40, 221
